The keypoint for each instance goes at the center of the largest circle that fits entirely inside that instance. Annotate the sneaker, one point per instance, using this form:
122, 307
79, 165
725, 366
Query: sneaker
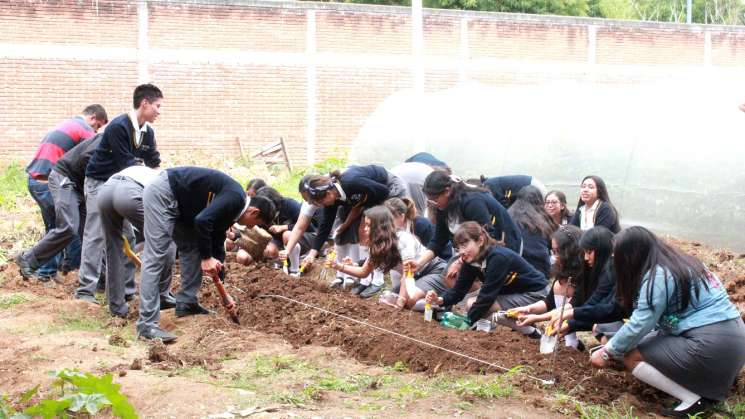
370, 291
155, 332
358, 289
27, 272
337, 283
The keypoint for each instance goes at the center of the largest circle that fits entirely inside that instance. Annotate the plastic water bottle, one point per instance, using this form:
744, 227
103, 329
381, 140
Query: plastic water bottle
454, 321
427, 312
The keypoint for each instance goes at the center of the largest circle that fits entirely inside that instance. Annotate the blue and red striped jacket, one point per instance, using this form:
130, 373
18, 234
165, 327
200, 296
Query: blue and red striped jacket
57, 142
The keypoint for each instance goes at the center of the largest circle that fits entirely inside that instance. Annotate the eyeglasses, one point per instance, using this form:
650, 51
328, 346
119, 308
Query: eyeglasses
551, 202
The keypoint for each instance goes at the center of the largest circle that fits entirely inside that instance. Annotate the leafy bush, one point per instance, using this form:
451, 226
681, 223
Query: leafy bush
87, 394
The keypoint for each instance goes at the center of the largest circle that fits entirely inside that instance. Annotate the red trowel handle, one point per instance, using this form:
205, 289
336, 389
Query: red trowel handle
227, 300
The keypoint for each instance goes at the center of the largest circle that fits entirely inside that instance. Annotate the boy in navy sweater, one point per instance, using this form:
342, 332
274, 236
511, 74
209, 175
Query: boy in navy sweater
194, 207
128, 137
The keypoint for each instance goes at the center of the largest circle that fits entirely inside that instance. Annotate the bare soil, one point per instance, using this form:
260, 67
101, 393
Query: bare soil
271, 322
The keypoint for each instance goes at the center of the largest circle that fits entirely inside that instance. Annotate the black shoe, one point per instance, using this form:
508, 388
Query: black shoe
27, 272
190, 309
167, 302
156, 333
358, 289
56, 278
580, 346
65, 269
701, 406
370, 291
129, 297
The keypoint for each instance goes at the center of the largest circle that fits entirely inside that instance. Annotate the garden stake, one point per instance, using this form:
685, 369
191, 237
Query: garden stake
556, 345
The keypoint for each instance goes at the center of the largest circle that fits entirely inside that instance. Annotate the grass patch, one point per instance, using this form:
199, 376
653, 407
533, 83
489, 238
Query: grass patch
272, 365
10, 300
592, 411
74, 322
492, 389
735, 408
13, 180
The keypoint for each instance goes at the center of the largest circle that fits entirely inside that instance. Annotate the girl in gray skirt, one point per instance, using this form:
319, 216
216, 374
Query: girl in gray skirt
698, 344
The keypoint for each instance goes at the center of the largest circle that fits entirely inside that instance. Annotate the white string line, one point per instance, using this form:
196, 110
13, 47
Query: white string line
421, 342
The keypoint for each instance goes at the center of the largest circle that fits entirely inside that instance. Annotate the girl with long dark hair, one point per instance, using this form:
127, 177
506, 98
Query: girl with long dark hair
594, 206
391, 246
536, 227
698, 348
567, 272
593, 306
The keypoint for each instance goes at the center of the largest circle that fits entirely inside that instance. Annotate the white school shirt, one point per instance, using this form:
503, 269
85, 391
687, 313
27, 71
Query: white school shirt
587, 216
141, 174
409, 245
139, 130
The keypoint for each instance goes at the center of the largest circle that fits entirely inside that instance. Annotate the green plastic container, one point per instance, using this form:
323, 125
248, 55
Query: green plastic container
455, 321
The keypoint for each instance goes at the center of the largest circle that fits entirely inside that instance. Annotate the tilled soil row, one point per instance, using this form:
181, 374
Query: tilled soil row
301, 325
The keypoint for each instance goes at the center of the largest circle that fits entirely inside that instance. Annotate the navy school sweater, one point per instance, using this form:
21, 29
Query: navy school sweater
209, 201
365, 186
604, 216
601, 305
536, 251
482, 208
505, 188
501, 271
118, 150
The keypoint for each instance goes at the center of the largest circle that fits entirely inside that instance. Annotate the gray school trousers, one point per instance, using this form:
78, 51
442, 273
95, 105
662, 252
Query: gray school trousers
161, 227
120, 200
94, 242
69, 207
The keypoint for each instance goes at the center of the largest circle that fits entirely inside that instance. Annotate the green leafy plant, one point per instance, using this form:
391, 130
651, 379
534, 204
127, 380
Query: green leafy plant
86, 394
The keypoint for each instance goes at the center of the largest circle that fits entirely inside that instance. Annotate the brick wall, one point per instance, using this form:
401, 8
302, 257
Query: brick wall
308, 72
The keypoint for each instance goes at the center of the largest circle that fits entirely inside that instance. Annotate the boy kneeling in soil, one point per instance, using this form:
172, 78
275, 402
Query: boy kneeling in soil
194, 207
508, 281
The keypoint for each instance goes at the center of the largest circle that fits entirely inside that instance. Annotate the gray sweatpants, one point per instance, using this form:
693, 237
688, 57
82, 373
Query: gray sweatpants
68, 208
161, 227
120, 200
94, 242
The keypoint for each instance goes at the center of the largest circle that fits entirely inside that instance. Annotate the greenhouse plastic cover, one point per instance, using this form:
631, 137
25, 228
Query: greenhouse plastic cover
671, 152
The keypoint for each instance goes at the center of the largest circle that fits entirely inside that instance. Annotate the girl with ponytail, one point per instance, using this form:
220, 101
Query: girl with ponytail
457, 202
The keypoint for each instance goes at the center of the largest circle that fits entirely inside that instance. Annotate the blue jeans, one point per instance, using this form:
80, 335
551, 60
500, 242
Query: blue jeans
40, 192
